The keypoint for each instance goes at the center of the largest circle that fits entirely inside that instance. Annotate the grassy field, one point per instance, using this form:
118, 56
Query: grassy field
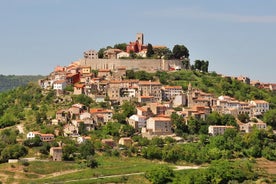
72, 172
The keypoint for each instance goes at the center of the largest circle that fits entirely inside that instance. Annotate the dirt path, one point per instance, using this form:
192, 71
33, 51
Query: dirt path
130, 174
20, 127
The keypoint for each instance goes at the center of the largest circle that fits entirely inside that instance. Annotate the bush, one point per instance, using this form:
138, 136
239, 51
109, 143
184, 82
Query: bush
91, 162
25, 163
160, 175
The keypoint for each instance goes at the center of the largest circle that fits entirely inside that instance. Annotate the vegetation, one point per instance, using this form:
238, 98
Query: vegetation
219, 172
8, 82
35, 108
159, 175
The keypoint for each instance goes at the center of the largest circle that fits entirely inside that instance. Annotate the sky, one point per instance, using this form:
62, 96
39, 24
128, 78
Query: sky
236, 37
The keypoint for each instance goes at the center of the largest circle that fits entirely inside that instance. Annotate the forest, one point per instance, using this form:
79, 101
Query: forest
8, 82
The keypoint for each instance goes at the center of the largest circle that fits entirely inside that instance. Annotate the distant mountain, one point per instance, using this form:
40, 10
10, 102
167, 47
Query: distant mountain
8, 82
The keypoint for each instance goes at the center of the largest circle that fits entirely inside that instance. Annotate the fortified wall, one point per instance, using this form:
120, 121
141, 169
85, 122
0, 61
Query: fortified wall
149, 65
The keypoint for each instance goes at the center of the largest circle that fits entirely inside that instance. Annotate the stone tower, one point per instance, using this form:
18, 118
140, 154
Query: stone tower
190, 95
140, 38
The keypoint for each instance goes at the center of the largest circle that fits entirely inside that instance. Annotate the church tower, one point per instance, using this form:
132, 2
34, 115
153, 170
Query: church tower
140, 38
190, 95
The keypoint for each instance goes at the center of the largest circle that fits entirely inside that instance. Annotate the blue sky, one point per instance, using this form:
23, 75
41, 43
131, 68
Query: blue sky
236, 37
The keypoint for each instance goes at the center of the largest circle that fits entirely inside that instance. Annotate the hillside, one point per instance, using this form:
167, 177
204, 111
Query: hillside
8, 82
34, 109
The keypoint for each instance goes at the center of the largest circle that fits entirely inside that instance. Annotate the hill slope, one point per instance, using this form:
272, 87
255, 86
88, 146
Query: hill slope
8, 82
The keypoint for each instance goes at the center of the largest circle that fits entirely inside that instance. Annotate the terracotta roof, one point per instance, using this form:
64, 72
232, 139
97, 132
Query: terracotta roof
172, 87
141, 109
45, 135
158, 118
149, 83
104, 70
99, 110
221, 126
71, 75
146, 96
78, 85
59, 82
259, 101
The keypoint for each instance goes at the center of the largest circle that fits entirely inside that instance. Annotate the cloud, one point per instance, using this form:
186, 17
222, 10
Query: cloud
200, 14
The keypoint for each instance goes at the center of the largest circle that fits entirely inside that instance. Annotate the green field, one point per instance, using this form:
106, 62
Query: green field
73, 172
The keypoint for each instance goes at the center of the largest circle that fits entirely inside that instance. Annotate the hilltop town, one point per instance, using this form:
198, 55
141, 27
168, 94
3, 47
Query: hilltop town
106, 81
144, 101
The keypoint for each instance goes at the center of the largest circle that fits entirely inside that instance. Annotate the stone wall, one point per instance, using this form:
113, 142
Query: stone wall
149, 65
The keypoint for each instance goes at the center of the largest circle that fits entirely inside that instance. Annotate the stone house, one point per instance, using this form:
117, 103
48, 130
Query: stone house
72, 78
109, 142
248, 127
56, 153
90, 54
158, 126
146, 99
101, 115
218, 129
259, 107
150, 88
59, 85
111, 53
169, 92
157, 108
137, 121
62, 115
79, 88
104, 73
125, 141
122, 55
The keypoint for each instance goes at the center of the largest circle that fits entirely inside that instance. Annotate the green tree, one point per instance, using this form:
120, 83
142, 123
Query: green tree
194, 125
180, 51
126, 131
143, 75
120, 117
130, 74
121, 46
163, 77
83, 99
101, 52
201, 65
152, 152
132, 55
68, 151
228, 119
186, 64
82, 129
171, 153
179, 124
128, 108
86, 149
244, 118
162, 52
8, 136
150, 51
13, 152
36, 141
160, 175
270, 118
91, 162
112, 128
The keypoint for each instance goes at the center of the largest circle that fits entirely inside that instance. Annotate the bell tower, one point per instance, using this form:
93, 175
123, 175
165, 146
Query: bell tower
140, 38
190, 95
